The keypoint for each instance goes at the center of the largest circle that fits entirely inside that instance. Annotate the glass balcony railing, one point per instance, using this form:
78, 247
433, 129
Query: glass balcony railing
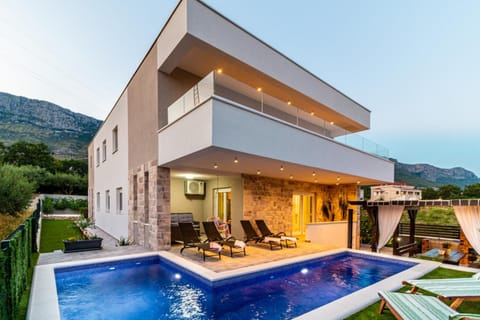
221, 85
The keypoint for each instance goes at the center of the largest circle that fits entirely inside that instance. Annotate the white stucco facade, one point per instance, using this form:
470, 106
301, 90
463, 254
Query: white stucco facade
111, 173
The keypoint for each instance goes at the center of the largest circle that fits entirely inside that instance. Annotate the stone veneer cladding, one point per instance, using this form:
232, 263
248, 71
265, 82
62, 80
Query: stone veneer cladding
149, 214
271, 199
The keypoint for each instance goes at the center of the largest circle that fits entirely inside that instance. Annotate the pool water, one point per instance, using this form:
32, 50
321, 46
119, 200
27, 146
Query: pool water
154, 288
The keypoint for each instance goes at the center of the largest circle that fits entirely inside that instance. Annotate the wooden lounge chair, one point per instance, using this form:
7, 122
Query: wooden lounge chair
405, 306
252, 235
457, 289
191, 240
213, 235
265, 231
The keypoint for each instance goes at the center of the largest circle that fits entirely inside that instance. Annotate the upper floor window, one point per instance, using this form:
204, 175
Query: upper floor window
104, 150
115, 139
98, 156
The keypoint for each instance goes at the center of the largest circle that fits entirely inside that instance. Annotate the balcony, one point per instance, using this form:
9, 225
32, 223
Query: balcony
220, 119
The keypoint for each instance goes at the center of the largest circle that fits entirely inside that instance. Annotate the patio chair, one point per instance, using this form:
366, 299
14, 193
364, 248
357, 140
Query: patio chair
252, 235
213, 235
265, 231
419, 307
457, 289
191, 240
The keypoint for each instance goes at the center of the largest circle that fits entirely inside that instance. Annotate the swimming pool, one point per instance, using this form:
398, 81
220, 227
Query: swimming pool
155, 288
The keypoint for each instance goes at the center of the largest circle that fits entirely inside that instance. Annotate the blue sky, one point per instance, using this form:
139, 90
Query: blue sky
414, 64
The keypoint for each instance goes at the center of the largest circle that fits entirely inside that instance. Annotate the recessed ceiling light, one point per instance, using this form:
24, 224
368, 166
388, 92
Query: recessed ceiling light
312, 113
358, 182
289, 103
219, 70
332, 123
259, 89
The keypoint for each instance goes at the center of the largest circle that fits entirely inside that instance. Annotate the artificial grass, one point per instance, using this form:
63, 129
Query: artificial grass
371, 312
54, 232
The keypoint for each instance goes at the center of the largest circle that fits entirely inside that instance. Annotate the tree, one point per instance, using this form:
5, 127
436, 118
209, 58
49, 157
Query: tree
449, 191
429, 194
23, 153
71, 166
2, 152
472, 191
15, 190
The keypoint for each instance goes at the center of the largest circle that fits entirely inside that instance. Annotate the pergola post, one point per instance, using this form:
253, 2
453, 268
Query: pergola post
412, 215
395, 241
373, 215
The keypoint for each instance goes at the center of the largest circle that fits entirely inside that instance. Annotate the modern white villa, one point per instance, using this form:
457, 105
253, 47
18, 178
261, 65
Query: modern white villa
393, 192
215, 122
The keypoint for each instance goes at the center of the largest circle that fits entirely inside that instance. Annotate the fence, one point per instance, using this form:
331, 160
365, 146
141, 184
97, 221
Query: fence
431, 231
15, 259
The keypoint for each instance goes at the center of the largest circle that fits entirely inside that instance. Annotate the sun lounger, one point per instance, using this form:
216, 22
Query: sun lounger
190, 240
419, 307
265, 231
213, 235
252, 235
457, 289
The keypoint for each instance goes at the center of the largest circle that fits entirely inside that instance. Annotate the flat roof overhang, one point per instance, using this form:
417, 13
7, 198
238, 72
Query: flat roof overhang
219, 131
197, 39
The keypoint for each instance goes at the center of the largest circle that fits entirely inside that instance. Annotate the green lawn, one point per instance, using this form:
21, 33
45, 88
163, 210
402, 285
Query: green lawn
371, 312
54, 232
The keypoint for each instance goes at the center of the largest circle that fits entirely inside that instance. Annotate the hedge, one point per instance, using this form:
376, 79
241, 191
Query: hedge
15, 259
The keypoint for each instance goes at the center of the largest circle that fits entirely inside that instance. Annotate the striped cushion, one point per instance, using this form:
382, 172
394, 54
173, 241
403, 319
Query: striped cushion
417, 307
455, 287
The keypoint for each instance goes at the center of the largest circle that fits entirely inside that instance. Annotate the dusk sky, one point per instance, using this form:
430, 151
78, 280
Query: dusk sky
414, 64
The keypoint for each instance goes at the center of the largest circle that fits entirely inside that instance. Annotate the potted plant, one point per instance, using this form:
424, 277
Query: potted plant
89, 240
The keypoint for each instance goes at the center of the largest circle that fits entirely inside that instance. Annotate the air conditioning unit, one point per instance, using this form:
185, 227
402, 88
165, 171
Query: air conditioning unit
195, 187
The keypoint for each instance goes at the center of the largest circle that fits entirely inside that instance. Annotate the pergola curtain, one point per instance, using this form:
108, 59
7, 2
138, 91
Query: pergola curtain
469, 219
388, 219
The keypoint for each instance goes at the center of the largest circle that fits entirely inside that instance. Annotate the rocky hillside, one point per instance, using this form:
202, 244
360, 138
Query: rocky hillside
66, 133
425, 175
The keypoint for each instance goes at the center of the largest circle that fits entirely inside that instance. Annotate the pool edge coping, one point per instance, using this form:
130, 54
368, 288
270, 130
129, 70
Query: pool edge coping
44, 299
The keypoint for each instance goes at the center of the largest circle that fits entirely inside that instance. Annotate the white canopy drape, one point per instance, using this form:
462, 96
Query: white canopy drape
469, 219
388, 219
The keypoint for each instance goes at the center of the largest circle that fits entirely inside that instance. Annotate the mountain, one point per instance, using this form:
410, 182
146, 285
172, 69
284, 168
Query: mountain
425, 175
66, 133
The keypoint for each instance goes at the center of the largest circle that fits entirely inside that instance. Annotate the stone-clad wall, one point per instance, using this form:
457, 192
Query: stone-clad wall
271, 199
149, 206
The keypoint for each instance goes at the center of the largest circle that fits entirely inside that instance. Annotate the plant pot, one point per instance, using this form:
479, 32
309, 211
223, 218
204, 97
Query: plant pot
82, 245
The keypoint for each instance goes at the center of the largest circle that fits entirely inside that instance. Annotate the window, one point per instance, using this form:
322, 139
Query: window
107, 201
115, 139
98, 157
119, 200
90, 162
98, 200
104, 150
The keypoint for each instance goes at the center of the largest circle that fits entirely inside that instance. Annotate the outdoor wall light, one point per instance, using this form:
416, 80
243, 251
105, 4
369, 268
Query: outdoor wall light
281, 168
259, 172
235, 160
291, 177
314, 173
215, 166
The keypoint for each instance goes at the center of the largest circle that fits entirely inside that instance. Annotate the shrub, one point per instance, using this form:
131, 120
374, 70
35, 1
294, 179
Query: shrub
15, 190
62, 183
365, 229
47, 205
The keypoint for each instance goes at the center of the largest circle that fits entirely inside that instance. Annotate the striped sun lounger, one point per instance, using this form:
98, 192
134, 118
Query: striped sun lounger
419, 307
457, 289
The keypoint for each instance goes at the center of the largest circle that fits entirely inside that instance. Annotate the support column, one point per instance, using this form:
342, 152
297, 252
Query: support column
350, 227
159, 204
395, 241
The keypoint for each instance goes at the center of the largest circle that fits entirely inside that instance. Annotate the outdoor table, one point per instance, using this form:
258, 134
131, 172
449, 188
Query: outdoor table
453, 258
